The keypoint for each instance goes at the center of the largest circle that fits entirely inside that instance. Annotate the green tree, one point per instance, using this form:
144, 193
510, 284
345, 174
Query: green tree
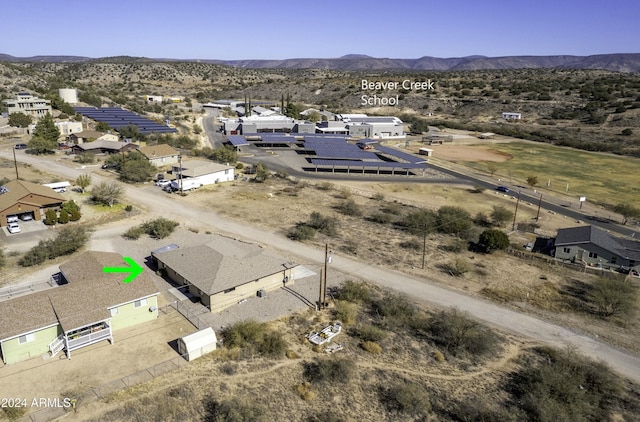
83, 181
419, 126
103, 127
136, 170
19, 119
47, 130
500, 215
612, 296
493, 240
106, 193
38, 145
627, 211
418, 222
453, 220
532, 180
131, 132
50, 217
262, 173
64, 217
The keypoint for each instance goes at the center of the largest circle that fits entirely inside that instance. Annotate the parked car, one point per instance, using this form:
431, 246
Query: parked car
503, 189
162, 183
26, 217
12, 219
109, 166
21, 146
60, 190
13, 228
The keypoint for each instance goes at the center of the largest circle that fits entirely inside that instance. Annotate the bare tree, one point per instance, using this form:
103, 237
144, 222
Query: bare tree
106, 193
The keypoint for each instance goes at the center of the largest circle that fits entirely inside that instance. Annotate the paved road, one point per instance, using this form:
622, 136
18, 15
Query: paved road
170, 206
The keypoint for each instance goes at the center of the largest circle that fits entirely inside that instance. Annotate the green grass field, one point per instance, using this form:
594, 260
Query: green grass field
603, 179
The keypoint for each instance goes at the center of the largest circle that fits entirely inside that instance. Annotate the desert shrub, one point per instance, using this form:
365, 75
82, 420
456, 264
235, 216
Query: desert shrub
457, 267
134, 233
453, 220
350, 208
378, 196
392, 208
106, 193
380, 218
459, 334
302, 232
345, 193
229, 368
36, 255
394, 309
438, 356
371, 347
337, 370
3, 259
292, 354
50, 217
610, 296
456, 246
68, 240
326, 416
235, 410
255, 336
406, 397
418, 221
160, 227
14, 413
305, 391
412, 244
346, 312
481, 219
64, 217
350, 247
478, 409
355, 292
323, 224
326, 186
128, 208
85, 158
272, 344
500, 215
239, 166
564, 386
369, 333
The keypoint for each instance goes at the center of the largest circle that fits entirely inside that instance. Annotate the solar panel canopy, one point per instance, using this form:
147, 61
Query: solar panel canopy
118, 118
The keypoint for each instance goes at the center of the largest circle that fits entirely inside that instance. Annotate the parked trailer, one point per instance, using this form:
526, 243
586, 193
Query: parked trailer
187, 185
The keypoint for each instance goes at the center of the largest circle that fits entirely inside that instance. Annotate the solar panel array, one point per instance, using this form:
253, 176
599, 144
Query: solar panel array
337, 148
118, 118
237, 140
279, 138
400, 154
372, 164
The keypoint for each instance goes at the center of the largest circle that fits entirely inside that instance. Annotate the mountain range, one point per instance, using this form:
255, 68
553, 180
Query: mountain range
621, 62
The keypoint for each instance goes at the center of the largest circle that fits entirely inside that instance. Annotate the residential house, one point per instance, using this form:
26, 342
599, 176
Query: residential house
596, 247
103, 147
22, 197
160, 155
90, 136
225, 271
86, 307
204, 172
28, 104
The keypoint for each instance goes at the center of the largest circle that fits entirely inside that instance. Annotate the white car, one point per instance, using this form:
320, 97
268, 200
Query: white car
13, 228
26, 217
12, 219
60, 190
162, 183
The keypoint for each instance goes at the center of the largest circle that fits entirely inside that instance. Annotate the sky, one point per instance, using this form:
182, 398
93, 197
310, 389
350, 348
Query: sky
279, 29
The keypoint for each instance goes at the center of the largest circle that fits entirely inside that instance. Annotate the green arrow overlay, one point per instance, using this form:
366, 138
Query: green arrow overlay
134, 268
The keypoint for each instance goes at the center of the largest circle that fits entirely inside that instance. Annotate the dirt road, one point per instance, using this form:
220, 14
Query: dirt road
170, 206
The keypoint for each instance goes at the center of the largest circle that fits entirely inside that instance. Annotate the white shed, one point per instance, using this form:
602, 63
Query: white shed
425, 151
197, 344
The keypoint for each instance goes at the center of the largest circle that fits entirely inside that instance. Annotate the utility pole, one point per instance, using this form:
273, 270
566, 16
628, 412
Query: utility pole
320, 295
516, 212
539, 204
180, 174
324, 288
424, 245
15, 163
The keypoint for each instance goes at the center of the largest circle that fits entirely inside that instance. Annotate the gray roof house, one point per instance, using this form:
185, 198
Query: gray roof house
225, 271
596, 247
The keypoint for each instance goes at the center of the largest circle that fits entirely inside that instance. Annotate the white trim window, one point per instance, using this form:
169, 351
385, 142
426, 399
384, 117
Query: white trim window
114, 311
140, 303
27, 338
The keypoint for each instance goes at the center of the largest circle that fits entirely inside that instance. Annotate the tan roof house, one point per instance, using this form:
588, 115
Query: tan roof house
86, 307
90, 136
160, 155
224, 271
22, 197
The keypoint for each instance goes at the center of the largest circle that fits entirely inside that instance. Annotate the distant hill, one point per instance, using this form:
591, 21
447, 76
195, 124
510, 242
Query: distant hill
624, 62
